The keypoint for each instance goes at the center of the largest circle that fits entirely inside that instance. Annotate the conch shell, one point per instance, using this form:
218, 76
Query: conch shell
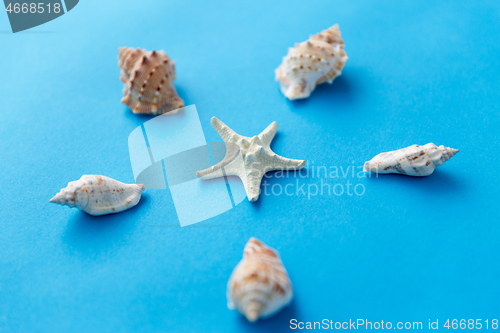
148, 79
414, 160
259, 286
317, 60
99, 195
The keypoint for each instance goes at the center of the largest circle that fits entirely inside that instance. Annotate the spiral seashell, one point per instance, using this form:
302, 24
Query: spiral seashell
307, 64
259, 285
412, 161
148, 79
99, 195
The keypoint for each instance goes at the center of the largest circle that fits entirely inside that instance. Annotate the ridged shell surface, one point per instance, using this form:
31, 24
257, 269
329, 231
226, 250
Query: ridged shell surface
148, 79
99, 195
307, 64
412, 161
259, 285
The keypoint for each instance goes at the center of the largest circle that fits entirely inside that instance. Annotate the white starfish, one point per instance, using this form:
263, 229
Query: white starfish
248, 158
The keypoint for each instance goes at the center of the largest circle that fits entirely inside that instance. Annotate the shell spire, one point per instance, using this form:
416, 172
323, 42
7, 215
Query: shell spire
319, 59
441, 154
148, 79
412, 161
99, 195
259, 285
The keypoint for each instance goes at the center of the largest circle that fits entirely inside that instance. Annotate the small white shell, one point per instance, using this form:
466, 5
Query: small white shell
317, 60
412, 161
99, 195
259, 286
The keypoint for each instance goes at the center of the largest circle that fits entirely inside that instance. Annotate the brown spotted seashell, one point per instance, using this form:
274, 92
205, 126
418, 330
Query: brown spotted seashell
414, 160
99, 195
319, 59
148, 79
259, 286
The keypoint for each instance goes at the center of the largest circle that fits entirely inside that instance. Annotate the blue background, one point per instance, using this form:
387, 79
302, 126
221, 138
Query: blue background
409, 249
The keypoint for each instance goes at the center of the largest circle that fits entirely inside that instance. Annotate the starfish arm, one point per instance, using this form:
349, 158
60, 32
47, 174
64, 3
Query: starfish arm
227, 134
252, 184
210, 173
268, 134
283, 163
232, 161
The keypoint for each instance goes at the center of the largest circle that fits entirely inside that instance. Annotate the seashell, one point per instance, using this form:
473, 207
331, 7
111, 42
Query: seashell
412, 161
99, 195
148, 79
317, 60
259, 285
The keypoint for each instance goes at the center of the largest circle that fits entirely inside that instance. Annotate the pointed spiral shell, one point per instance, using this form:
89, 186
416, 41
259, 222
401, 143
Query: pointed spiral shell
307, 64
259, 285
412, 161
99, 195
148, 79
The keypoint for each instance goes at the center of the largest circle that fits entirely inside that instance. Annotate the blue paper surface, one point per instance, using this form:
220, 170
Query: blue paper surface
405, 250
